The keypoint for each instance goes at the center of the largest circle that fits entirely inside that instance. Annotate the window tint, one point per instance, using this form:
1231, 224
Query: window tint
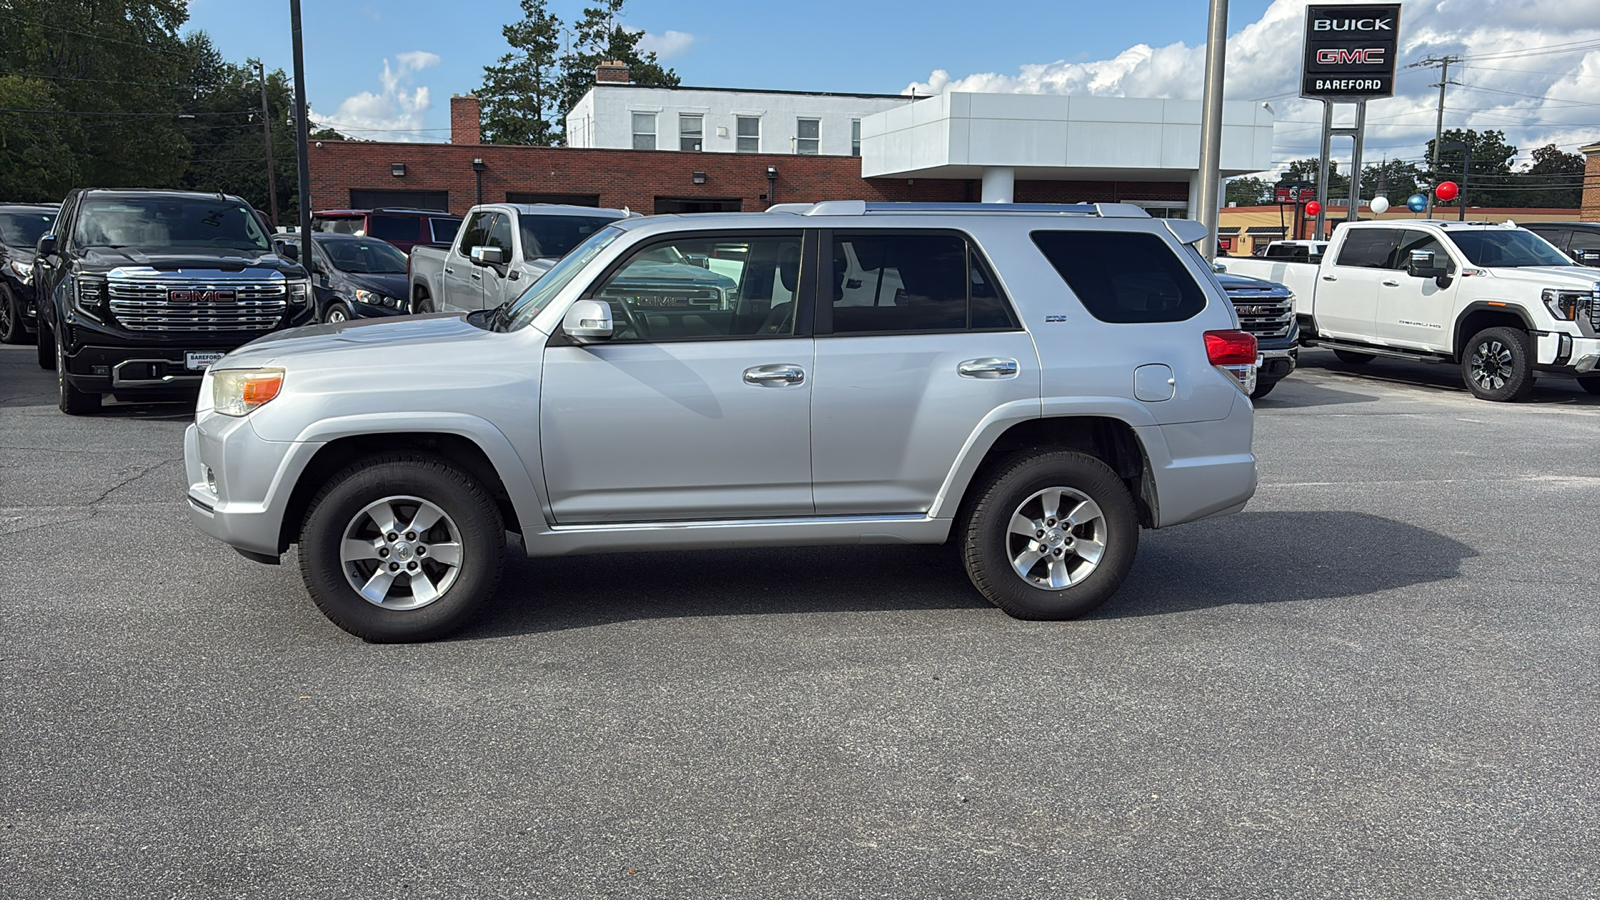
444, 230
703, 288
159, 221
363, 257
1123, 276
392, 228
1584, 239
1368, 248
25, 229
1418, 240
553, 237
886, 282
476, 233
1509, 247
500, 235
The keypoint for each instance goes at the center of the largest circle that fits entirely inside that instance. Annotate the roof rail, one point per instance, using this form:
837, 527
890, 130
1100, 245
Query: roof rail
862, 207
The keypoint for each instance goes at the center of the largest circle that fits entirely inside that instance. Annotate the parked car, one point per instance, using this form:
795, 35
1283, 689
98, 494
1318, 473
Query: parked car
1579, 240
1043, 381
1299, 251
1496, 300
140, 291
352, 277
21, 226
1266, 310
502, 248
404, 228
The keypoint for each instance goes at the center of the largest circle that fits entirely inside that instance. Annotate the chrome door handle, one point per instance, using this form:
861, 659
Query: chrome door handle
1391, 284
775, 375
988, 367
1329, 278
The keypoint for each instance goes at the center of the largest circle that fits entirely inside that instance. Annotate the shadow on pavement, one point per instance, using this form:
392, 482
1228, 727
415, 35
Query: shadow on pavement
1262, 557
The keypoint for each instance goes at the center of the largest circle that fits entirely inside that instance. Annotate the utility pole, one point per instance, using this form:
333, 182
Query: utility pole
301, 131
266, 129
1443, 62
1211, 124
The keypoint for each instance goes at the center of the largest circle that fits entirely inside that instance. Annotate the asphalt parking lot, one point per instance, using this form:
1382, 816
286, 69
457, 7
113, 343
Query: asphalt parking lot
1381, 680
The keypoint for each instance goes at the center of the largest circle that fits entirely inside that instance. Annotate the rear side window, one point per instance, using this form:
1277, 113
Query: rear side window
1123, 276
392, 228
897, 282
1368, 248
444, 230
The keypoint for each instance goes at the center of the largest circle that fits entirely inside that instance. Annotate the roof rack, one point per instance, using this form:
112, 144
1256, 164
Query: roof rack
862, 208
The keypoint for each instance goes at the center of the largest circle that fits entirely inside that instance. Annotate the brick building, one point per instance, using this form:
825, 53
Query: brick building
1590, 210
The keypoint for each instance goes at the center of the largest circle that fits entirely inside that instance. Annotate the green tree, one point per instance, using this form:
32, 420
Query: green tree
1554, 180
1491, 167
1248, 191
520, 91
1397, 177
1306, 170
600, 37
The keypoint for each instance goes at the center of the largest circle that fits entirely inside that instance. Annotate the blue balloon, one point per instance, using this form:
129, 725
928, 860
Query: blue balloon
1416, 203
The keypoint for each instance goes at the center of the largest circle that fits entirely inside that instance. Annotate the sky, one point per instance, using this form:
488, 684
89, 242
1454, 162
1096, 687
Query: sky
385, 69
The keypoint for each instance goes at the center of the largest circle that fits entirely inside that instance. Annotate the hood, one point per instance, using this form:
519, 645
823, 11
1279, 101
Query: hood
1580, 278
387, 284
319, 342
176, 258
1232, 282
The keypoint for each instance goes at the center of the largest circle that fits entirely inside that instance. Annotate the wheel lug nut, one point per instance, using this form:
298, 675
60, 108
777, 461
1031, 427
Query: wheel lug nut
1050, 522
394, 567
411, 565
383, 552
421, 550
1039, 533
393, 536
411, 535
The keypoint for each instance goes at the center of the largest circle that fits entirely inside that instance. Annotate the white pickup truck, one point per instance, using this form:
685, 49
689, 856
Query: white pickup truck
1496, 300
500, 249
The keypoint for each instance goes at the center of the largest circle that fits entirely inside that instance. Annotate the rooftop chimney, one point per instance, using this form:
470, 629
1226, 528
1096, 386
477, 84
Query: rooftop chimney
466, 119
612, 72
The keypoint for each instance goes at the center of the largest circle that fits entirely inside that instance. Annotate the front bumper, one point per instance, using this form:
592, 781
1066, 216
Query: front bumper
238, 483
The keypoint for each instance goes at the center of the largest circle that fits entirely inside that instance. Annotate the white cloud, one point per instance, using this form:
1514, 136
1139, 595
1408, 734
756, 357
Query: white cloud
1527, 73
665, 45
396, 112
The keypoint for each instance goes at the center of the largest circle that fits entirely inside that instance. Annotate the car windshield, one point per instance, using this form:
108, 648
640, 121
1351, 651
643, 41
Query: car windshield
1508, 247
372, 257
552, 237
541, 292
19, 229
159, 222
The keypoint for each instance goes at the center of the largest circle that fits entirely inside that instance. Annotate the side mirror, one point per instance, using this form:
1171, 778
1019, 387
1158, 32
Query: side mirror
698, 259
1218, 267
488, 256
46, 246
1423, 265
289, 251
1589, 257
588, 321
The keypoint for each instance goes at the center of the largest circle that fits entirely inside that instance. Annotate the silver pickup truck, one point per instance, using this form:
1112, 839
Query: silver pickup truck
1032, 383
499, 250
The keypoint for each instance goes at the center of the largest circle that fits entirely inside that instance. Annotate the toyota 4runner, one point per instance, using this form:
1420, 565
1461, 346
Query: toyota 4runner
1034, 383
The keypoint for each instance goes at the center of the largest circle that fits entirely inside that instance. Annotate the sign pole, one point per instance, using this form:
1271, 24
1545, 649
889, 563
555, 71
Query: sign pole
1322, 168
1353, 215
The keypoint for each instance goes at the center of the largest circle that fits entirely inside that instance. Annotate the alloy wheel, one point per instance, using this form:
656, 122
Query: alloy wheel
401, 553
1492, 365
1056, 538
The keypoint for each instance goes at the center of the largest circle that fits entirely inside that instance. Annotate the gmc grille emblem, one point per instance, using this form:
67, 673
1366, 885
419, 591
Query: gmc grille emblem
200, 296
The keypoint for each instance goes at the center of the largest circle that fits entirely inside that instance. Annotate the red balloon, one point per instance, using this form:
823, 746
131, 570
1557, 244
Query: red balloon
1313, 208
1447, 190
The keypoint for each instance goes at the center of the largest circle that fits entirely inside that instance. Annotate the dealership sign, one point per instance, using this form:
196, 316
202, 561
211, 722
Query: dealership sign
1350, 51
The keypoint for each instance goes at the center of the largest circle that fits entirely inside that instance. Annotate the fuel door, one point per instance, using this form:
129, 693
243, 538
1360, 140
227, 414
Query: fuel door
1154, 382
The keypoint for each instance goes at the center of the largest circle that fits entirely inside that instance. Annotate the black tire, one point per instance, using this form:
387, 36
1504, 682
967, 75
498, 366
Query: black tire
468, 512
1497, 364
1590, 383
72, 401
1012, 487
1353, 358
1263, 388
336, 312
46, 347
421, 304
12, 328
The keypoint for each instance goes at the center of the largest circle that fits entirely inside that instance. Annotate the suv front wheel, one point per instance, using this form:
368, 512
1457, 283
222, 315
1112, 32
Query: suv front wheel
1049, 535
402, 547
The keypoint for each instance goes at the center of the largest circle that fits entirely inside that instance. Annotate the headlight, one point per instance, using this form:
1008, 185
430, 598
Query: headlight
235, 392
23, 270
1564, 304
300, 292
372, 298
89, 295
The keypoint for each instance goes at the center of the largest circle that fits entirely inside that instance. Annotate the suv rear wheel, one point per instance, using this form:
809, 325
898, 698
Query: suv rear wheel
1498, 364
401, 547
1049, 535
12, 329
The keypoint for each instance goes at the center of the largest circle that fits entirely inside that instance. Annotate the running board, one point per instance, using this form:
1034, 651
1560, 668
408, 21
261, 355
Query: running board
1387, 352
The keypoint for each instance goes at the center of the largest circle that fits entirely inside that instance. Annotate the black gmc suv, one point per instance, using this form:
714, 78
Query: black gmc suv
139, 291
21, 226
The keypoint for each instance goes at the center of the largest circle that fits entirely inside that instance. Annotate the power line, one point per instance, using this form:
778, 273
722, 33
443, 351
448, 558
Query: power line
160, 115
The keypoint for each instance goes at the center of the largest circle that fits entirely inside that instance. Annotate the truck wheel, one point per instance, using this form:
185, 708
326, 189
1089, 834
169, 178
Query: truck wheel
335, 313
1049, 535
1353, 358
72, 401
1498, 364
46, 346
401, 547
1263, 388
12, 329
421, 305
1590, 383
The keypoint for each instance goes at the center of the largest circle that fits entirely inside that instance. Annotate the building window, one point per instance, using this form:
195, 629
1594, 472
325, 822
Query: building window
644, 131
691, 131
749, 134
855, 137
808, 137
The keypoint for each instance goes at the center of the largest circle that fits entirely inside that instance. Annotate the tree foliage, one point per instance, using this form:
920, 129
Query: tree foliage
527, 94
1248, 191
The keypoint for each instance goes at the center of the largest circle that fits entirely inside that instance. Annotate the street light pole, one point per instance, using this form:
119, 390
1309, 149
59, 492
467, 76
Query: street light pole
301, 135
266, 129
1211, 123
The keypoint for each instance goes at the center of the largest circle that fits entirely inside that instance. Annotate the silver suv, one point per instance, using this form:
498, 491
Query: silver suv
1034, 382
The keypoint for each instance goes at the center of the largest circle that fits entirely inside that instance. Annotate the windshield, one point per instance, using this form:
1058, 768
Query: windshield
157, 222
541, 292
365, 257
24, 229
1509, 247
552, 237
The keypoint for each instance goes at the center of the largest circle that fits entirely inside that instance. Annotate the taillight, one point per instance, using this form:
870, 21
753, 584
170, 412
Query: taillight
1234, 353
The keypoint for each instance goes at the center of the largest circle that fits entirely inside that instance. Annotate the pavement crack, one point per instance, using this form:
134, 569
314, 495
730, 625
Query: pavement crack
131, 479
